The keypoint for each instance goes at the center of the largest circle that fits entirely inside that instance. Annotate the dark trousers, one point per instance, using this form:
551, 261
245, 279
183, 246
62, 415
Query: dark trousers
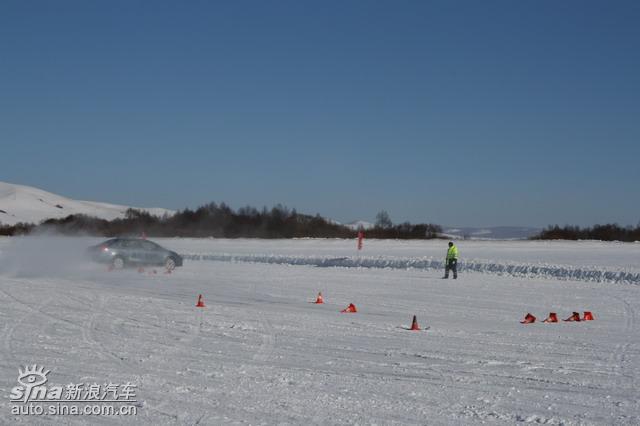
452, 264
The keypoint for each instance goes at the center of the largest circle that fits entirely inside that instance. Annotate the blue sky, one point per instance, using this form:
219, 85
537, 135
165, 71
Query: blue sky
458, 113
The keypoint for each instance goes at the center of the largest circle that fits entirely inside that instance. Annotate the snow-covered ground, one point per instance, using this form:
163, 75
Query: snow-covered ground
492, 233
261, 353
584, 260
20, 203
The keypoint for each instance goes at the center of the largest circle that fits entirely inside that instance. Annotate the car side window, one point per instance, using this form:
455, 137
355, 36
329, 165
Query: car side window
130, 244
115, 244
147, 245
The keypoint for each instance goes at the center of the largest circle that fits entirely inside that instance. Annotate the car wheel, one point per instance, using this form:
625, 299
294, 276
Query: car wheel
170, 264
118, 263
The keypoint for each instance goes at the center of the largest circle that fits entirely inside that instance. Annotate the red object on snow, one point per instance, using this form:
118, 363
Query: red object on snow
200, 303
528, 319
414, 324
351, 309
574, 317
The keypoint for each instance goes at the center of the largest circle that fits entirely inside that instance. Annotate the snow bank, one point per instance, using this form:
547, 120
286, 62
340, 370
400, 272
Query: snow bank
428, 263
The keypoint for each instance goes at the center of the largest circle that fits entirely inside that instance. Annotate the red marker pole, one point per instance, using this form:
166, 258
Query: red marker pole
360, 238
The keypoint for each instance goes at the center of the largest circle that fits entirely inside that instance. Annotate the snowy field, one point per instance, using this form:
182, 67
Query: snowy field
261, 353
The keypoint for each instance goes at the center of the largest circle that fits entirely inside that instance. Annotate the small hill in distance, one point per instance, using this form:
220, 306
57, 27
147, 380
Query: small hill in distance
20, 203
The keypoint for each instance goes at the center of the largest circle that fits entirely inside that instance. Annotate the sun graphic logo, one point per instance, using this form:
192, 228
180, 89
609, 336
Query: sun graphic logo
33, 376
32, 380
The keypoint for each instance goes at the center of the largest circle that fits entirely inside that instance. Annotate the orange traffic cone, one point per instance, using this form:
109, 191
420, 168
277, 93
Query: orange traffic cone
574, 317
200, 303
588, 316
528, 319
414, 325
552, 317
319, 300
351, 309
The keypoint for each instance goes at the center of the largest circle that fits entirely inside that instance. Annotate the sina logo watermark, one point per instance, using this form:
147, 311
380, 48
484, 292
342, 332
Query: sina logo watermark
34, 396
32, 381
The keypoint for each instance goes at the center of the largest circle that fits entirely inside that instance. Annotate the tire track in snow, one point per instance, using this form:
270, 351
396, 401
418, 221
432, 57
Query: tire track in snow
268, 345
10, 329
117, 323
173, 343
620, 355
89, 329
84, 328
89, 336
118, 328
39, 309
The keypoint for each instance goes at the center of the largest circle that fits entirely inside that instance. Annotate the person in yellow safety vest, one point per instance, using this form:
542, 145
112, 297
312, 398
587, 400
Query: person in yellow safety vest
451, 262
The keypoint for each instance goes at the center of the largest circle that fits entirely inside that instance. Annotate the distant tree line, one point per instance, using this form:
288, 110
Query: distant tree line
384, 228
406, 231
608, 232
220, 221
19, 228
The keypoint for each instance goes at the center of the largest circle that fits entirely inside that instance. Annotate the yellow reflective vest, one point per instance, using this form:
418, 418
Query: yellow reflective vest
452, 253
